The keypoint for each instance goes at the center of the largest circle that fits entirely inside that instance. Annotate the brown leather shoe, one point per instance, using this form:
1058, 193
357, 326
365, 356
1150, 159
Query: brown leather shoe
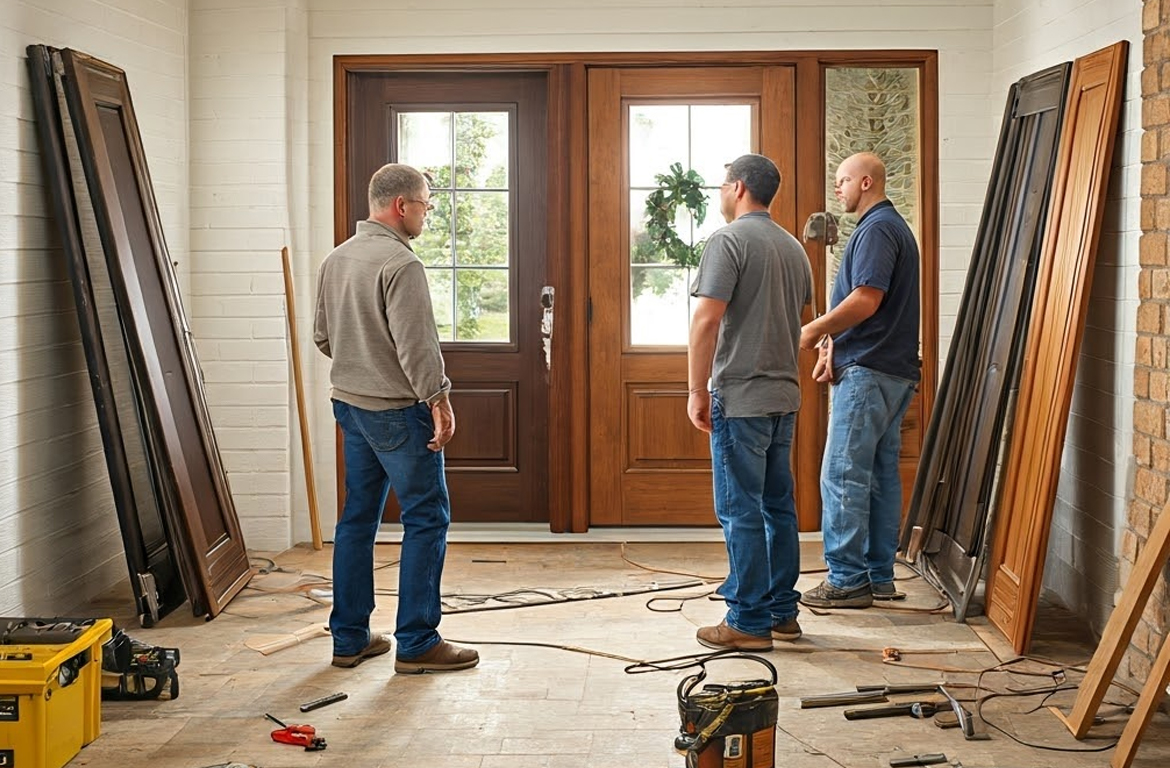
378, 645
722, 637
444, 657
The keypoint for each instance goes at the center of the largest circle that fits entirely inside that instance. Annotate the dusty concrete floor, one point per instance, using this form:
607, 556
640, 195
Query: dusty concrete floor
534, 706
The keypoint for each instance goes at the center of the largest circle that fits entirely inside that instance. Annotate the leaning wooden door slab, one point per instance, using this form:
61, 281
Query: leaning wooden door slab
1024, 515
155, 563
161, 349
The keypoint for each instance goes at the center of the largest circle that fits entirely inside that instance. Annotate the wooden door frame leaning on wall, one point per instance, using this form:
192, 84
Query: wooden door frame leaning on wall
1024, 510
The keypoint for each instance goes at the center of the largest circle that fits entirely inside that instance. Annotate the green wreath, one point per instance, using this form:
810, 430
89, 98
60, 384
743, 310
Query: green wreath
674, 189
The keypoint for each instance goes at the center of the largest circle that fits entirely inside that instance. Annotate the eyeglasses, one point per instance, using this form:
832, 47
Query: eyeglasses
426, 203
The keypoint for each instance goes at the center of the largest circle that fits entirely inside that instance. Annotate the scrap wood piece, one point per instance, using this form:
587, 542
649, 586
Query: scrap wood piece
269, 644
1023, 517
302, 416
1122, 622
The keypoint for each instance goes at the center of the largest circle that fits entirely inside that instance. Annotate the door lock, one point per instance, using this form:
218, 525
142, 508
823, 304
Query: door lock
547, 299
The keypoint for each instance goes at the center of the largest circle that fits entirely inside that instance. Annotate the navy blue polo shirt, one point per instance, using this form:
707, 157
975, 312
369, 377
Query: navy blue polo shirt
881, 253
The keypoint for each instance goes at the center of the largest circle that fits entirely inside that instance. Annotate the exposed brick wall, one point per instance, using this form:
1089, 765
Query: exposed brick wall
1151, 381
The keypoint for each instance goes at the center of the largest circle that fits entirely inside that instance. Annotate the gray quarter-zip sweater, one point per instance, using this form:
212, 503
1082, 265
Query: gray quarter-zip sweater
374, 319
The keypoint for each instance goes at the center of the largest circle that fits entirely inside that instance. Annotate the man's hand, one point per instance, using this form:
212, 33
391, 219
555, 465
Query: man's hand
823, 369
699, 410
444, 419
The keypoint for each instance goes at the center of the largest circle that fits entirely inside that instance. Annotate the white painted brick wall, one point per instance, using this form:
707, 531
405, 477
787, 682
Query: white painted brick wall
959, 30
1096, 467
59, 537
248, 199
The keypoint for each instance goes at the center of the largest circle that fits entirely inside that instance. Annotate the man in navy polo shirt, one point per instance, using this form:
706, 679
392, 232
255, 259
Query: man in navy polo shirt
869, 351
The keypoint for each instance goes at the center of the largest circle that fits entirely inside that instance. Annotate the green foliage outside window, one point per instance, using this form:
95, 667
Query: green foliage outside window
475, 233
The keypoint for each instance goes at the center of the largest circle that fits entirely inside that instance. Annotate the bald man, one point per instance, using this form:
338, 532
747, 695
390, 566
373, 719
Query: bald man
868, 343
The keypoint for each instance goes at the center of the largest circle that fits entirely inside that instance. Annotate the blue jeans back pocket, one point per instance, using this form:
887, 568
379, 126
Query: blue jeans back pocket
384, 430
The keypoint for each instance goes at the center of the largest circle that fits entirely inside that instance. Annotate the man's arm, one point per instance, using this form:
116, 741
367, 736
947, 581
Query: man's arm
700, 355
857, 307
412, 326
321, 319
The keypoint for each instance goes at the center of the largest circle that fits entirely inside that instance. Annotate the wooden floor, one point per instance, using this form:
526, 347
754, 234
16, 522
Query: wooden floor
527, 706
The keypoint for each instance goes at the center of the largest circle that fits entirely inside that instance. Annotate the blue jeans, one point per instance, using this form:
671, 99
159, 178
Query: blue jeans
861, 490
751, 462
385, 449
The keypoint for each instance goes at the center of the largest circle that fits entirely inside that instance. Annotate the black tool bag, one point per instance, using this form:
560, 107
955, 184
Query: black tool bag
728, 725
134, 671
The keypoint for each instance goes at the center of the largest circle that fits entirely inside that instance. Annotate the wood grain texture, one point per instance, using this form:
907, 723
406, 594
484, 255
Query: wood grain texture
1059, 306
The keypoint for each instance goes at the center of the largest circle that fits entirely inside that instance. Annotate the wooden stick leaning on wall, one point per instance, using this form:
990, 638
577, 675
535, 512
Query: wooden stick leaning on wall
1122, 622
303, 420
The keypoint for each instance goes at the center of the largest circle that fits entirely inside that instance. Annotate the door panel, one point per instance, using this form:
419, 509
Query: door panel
1023, 515
648, 464
483, 137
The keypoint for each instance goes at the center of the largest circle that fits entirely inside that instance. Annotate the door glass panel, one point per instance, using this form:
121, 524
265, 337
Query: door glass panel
424, 141
716, 129
481, 228
433, 246
872, 109
702, 137
481, 307
466, 154
660, 292
658, 137
440, 285
481, 148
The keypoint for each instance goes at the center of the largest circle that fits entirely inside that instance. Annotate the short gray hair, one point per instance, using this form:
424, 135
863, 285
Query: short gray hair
759, 174
392, 180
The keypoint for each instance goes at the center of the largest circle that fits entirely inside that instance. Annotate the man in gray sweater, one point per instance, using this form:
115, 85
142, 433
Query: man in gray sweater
374, 320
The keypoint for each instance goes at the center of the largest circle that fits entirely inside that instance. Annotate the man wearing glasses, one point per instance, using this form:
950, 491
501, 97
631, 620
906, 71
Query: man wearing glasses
390, 398
753, 283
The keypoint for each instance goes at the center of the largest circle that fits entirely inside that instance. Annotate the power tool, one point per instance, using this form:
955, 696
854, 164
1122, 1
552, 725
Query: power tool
136, 671
728, 726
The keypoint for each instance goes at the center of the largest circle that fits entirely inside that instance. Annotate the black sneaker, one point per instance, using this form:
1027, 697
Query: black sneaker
825, 595
886, 591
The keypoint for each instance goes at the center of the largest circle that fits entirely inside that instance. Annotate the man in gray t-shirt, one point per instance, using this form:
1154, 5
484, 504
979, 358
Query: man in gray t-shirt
752, 285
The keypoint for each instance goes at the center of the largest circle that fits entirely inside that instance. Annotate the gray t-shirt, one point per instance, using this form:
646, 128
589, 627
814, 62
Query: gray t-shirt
763, 274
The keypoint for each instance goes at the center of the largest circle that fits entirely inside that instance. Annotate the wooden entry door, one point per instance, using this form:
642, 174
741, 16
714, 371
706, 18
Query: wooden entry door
648, 464
483, 138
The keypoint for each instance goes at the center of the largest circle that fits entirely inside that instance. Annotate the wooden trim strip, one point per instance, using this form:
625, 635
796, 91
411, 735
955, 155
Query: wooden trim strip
473, 61
812, 422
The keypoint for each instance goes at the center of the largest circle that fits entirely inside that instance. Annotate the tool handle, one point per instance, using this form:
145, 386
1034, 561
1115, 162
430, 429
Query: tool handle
273, 719
933, 758
895, 710
332, 698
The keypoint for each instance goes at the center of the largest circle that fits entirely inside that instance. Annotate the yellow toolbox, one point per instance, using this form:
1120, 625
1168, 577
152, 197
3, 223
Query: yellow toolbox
50, 689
